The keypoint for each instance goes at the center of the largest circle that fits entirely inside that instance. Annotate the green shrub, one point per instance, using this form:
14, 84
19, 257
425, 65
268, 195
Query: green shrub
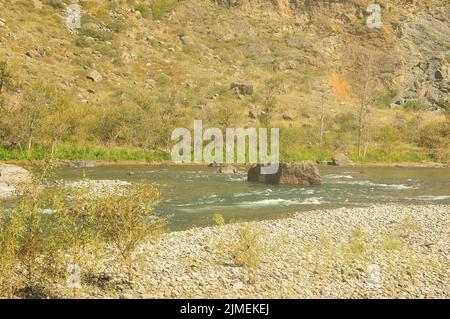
50, 229
247, 249
160, 8
218, 220
96, 34
415, 105
56, 4
144, 9
356, 242
435, 139
122, 219
392, 242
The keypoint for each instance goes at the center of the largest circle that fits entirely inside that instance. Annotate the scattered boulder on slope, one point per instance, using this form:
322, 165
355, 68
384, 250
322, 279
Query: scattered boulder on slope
304, 173
95, 76
242, 88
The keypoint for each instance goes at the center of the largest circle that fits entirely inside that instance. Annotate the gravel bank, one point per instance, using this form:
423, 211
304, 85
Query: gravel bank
382, 251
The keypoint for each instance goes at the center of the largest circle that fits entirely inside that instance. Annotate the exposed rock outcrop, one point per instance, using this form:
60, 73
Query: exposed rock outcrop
428, 83
425, 44
303, 173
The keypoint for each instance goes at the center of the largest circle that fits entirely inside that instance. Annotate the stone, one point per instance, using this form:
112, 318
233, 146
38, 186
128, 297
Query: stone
33, 54
2, 23
95, 76
298, 42
150, 84
229, 3
227, 169
242, 88
304, 173
251, 115
82, 164
286, 117
340, 160
38, 4
11, 178
186, 40
215, 164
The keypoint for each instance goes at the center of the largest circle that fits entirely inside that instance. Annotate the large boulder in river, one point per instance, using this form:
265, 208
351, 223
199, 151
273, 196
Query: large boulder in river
303, 173
11, 178
340, 160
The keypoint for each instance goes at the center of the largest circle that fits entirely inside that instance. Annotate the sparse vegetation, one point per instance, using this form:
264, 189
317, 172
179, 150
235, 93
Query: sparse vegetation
392, 242
218, 220
49, 230
246, 250
153, 83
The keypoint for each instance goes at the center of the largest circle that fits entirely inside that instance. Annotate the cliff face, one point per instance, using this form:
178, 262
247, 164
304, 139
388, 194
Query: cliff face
413, 38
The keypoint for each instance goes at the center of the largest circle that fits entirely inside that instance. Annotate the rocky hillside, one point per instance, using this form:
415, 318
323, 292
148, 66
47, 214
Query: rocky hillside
136, 69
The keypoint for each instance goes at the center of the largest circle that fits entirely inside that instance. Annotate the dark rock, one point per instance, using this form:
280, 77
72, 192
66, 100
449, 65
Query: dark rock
286, 117
215, 164
303, 173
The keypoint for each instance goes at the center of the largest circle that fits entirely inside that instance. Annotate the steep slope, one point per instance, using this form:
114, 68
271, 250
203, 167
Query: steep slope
160, 64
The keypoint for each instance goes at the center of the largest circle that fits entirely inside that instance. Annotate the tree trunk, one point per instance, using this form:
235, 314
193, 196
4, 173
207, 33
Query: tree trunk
30, 139
322, 117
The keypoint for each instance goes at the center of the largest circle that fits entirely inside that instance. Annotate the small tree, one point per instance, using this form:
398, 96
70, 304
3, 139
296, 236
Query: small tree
365, 77
270, 102
324, 92
37, 102
124, 218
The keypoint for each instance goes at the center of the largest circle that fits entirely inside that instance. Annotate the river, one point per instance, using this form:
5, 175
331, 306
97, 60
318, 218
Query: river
193, 194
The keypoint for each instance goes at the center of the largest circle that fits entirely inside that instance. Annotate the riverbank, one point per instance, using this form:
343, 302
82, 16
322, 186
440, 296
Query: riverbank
424, 164
383, 251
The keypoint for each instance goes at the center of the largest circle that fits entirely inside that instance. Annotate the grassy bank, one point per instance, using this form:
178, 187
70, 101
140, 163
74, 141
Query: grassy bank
129, 154
85, 153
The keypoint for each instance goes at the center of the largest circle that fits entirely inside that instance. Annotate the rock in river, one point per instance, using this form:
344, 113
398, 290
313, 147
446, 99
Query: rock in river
227, 169
82, 164
340, 160
303, 173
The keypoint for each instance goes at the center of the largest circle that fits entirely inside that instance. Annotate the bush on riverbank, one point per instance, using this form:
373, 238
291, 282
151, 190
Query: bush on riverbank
51, 240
